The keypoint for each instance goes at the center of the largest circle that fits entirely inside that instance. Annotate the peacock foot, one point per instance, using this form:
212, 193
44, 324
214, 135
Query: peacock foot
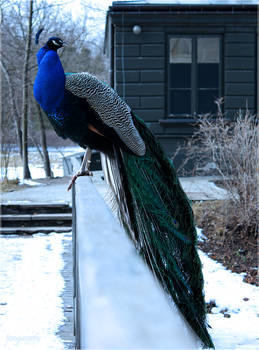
79, 173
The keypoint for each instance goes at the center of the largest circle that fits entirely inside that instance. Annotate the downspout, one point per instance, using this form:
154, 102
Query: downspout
108, 47
111, 49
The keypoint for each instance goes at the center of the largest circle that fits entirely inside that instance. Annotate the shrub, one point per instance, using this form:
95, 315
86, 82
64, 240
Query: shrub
232, 146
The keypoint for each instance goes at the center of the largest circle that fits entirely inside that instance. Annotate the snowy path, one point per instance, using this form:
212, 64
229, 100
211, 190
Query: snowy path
31, 307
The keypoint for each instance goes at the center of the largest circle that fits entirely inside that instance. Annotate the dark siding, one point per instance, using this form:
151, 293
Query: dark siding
140, 63
239, 89
127, 50
147, 89
148, 76
144, 38
152, 50
237, 102
143, 81
156, 128
152, 102
133, 102
240, 50
239, 63
240, 70
150, 114
128, 76
237, 76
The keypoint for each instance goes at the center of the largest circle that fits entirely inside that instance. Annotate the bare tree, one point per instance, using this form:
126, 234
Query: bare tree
25, 87
21, 20
46, 161
14, 108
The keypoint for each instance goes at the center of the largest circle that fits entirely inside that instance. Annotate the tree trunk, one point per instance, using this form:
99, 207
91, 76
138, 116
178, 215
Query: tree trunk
47, 167
13, 106
25, 100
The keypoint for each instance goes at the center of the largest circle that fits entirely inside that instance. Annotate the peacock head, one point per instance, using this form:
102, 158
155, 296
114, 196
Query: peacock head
55, 43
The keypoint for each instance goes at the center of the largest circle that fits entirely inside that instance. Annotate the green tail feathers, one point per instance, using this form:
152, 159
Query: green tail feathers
158, 217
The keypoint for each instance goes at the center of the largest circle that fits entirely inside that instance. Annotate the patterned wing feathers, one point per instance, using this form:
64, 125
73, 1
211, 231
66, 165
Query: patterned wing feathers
112, 110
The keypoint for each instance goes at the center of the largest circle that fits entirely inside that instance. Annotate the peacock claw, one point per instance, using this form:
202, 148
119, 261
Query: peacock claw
80, 173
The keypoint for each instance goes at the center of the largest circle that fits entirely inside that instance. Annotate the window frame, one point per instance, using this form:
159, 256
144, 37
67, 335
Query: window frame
194, 71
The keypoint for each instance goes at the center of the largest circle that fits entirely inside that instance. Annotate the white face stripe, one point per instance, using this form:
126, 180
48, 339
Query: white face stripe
56, 43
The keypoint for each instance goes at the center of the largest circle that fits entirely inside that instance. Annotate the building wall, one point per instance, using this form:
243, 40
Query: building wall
240, 68
141, 64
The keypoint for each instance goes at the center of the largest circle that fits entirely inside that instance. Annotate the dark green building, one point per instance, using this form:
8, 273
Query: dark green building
170, 61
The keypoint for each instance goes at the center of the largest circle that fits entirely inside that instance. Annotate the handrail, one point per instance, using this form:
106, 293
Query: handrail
72, 162
118, 303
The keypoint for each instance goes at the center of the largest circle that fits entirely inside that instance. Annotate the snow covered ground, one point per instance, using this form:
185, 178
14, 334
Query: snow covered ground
31, 306
15, 170
30, 291
239, 301
235, 318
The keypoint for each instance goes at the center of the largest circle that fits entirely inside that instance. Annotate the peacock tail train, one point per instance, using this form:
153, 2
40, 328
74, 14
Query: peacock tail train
157, 216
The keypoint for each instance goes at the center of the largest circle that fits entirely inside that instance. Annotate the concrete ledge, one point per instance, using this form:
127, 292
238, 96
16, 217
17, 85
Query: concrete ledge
32, 230
72, 163
119, 304
36, 217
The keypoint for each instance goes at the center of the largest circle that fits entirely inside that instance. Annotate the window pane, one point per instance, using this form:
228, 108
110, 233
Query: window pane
206, 101
208, 75
180, 101
208, 50
180, 50
180, 75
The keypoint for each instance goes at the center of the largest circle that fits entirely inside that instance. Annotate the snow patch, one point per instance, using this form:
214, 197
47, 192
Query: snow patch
240, 331
201, 237
30, 183
36, 166
30, 287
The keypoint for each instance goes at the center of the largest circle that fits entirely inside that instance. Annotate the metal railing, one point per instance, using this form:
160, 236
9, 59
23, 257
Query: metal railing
72, 162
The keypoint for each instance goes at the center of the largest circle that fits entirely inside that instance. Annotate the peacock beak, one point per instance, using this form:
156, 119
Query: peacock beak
65, 43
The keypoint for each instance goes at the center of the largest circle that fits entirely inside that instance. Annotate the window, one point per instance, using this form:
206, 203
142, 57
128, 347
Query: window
194, 75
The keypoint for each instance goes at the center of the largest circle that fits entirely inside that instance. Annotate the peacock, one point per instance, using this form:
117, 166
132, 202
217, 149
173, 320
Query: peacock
153, 207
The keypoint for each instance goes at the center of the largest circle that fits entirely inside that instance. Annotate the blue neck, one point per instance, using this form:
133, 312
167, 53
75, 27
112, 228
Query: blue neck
49, 85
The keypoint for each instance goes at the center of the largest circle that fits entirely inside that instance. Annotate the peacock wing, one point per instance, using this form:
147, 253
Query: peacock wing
112, 110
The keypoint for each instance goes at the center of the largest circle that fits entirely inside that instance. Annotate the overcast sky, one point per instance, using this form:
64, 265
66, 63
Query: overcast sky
101, 6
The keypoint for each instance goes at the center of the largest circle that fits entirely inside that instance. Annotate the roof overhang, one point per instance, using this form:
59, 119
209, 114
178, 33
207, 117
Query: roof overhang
173, 7
185, 2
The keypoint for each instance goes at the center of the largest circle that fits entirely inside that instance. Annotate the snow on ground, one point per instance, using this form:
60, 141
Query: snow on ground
30, 288
37, 172
239, 301
241, 330
31, 306
15, 170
